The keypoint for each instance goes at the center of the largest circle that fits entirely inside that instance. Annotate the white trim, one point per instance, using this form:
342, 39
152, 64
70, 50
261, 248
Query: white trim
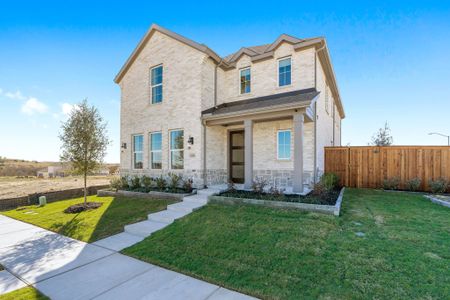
133, 163
290, 144
278, 71
239, 80
170, 148
154, 151
156, 85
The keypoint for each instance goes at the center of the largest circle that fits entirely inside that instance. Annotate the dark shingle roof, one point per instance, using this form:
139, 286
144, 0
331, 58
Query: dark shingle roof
300, 96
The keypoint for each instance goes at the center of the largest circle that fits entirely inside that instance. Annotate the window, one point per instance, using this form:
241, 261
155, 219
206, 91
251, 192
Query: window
284, 72
138, 159
157, 84
156, 150
245, 80
284, 144
176, 149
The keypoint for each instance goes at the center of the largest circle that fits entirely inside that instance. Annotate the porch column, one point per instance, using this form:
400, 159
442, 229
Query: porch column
248, 165
297, 179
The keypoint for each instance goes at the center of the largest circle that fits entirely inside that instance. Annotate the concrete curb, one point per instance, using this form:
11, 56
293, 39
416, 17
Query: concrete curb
326, 209
438, 201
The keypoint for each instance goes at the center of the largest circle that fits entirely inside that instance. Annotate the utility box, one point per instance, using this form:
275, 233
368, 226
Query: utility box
42, 200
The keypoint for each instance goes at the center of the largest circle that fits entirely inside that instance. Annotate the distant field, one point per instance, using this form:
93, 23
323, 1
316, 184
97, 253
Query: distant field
11, 187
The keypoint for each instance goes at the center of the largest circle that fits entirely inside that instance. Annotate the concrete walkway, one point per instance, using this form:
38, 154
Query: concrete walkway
64, 268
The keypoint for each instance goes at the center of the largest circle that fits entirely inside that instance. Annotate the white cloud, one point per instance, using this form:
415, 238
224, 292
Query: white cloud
33, 105
16, 96
66, 108
1, 91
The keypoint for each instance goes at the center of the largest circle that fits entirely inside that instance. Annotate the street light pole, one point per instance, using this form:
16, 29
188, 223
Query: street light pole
444, 135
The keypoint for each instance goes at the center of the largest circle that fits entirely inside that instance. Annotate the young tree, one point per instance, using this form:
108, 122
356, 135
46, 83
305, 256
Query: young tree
84, 139
383, 136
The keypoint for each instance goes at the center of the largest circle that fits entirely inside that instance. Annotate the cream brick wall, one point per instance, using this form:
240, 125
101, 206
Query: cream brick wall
183, 88
264, 75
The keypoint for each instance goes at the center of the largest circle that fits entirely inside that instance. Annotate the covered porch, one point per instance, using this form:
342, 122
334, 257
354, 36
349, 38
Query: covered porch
241, 141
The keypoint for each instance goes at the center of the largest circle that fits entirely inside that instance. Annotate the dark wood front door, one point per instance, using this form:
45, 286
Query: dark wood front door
237, 156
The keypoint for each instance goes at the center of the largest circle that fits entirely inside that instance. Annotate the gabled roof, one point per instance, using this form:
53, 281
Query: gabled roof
256, 53
201, 47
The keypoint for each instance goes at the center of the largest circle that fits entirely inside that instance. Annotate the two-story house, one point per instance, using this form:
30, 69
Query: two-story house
265, 111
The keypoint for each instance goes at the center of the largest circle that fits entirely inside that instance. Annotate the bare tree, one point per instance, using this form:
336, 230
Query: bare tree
84, 138
383, 136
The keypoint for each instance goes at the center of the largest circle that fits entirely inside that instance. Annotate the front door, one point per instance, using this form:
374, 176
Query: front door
237, 156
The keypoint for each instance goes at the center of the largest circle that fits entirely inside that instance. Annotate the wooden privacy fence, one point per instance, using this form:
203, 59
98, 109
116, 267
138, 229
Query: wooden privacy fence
369, 166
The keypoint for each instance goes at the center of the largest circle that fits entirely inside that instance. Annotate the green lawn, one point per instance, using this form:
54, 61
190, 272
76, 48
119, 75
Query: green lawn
268, 253
91, 225
26, 293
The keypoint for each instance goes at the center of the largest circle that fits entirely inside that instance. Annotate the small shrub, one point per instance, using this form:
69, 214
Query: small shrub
330, 181
187, 185
116, 183
146, 182
413, 184
135, 182
161, 183
259, 184
438, 186
276, 192
174, 180
125, 185
231, 186
391, 183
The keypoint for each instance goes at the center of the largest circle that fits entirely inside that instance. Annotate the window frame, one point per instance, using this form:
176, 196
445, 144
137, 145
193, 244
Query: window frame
133, 162
156, 85
278, 71
151, 151
278, 144
172, 150
250, 81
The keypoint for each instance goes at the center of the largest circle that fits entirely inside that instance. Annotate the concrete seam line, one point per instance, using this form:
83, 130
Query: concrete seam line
213, 292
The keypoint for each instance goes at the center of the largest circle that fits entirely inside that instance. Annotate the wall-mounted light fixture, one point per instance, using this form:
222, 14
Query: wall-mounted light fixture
124, 146
191, 140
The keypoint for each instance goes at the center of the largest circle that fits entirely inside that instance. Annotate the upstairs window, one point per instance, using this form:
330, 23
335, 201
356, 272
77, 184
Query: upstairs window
156, 150
138, 158
176, 149
284, 72
245, 80
284, 144
157, 84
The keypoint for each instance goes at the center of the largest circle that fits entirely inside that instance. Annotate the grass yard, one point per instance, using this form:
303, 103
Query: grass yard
26, 293
91, 225
402, 251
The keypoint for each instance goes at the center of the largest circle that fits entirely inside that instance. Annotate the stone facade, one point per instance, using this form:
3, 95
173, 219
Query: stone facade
189, 77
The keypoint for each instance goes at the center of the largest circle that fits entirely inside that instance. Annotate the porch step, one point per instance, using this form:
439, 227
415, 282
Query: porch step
199, 199
208, 192
167, 216
144, 228
185, 206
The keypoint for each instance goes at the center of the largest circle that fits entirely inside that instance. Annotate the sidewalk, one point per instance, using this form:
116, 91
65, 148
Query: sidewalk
64, 268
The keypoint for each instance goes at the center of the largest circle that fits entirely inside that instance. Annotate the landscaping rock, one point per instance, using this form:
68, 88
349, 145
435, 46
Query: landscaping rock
360, 234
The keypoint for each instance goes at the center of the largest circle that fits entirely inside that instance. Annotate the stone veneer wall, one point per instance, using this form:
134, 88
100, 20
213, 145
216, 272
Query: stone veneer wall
281, 178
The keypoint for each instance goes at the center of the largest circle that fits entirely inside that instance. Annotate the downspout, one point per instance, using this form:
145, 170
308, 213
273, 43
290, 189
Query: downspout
205, 181
315, 114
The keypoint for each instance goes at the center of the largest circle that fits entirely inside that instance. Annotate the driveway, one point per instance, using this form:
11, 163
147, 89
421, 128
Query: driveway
64, 268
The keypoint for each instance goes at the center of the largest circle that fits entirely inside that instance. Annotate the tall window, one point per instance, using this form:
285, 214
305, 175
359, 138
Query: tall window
284, 72
176, 149
284, 144
156, 150
138, 159
157, 84
245, 80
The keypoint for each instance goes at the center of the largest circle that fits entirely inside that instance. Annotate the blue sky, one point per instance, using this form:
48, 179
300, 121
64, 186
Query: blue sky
391, 60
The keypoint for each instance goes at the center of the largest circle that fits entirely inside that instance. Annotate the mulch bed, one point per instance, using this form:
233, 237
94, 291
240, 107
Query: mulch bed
77, 208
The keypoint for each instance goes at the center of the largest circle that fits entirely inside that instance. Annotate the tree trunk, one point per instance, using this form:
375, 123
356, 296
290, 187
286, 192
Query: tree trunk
85, 190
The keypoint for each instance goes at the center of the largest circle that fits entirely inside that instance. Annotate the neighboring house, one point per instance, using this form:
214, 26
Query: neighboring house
265, 111
51, 172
